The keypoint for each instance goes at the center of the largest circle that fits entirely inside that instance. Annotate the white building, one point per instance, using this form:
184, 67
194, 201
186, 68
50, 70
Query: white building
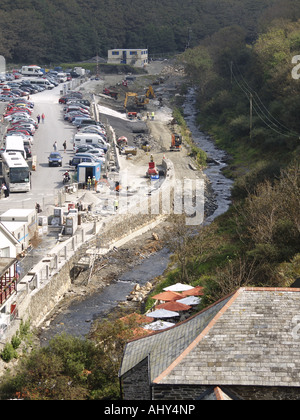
9, 245
9, 249
21, 223
134, 57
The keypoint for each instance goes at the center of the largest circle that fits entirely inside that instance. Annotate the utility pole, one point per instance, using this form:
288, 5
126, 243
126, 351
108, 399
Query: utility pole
97, 58
251, 115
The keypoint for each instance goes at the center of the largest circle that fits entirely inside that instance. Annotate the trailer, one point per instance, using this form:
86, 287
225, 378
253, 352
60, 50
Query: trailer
88, 169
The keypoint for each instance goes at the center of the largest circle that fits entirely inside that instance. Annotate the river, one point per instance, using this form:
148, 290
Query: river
77, 319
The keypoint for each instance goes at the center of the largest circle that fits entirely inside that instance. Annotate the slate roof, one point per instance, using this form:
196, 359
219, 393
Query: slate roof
249, 338
164, 347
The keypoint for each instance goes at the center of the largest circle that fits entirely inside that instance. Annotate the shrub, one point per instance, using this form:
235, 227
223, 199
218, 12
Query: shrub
16, 341
8, 353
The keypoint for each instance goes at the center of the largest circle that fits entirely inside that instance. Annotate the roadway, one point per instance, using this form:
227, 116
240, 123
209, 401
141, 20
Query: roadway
45, 181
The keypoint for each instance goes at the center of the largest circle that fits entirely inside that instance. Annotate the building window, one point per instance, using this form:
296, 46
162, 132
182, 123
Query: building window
115, 53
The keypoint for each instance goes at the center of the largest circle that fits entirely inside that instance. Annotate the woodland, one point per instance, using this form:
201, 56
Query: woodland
47, 31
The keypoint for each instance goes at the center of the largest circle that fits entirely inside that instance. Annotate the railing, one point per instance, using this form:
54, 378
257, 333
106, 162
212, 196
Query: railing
8, 290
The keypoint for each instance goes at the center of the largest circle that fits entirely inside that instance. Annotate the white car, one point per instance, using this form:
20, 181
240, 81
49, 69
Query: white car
92, 129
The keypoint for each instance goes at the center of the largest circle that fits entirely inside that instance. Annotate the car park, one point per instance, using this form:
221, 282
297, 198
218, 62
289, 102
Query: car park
55, 159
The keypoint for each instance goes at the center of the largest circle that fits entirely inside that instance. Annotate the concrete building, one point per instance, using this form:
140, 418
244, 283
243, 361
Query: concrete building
133, 57
9, 249
9, 245
21, 223
246, 346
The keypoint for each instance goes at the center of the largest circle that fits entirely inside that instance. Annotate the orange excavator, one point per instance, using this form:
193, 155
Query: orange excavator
176, 143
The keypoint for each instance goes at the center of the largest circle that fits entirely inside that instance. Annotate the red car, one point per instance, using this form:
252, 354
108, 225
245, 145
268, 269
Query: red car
14, 110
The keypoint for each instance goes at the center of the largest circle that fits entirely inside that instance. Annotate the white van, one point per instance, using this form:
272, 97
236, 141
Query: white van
31, 71
89, 138
42, 82
15, 144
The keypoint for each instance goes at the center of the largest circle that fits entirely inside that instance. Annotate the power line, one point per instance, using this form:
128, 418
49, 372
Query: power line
257, 105
272, 118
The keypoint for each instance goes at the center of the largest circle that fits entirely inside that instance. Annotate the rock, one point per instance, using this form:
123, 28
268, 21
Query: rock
155, 237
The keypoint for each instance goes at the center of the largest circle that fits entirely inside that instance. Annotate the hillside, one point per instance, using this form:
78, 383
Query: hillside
47, 31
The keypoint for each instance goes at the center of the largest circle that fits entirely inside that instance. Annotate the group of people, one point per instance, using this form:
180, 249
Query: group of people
92, 183
39, 118
55, 146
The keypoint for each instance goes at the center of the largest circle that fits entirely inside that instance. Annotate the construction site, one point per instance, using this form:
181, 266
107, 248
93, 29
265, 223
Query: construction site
123, 222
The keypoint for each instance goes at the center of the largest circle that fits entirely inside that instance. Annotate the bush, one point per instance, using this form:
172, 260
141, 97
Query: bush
8, 353
16, 341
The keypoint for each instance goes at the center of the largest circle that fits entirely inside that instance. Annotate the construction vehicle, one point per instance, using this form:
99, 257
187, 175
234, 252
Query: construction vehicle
150, 93
140, 101
110, 93
176, 143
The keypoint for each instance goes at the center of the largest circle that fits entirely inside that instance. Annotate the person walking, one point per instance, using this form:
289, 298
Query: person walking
65, 146
55, 146
5, 190
38, 118
43, 118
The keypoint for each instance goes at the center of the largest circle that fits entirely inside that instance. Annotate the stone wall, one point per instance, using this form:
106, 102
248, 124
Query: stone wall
135, 384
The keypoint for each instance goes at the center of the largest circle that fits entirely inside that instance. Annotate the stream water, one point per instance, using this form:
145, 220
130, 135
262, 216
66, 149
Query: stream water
76, 320
219, 183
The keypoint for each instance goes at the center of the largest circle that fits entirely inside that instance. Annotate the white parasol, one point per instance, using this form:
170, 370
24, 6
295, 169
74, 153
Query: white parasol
159, 325
162, 313
178, 287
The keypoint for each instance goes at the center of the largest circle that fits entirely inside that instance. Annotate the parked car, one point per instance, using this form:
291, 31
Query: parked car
96, 158
70, 95
23, 120
87, 148
79, 159
81, 101
55, 159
